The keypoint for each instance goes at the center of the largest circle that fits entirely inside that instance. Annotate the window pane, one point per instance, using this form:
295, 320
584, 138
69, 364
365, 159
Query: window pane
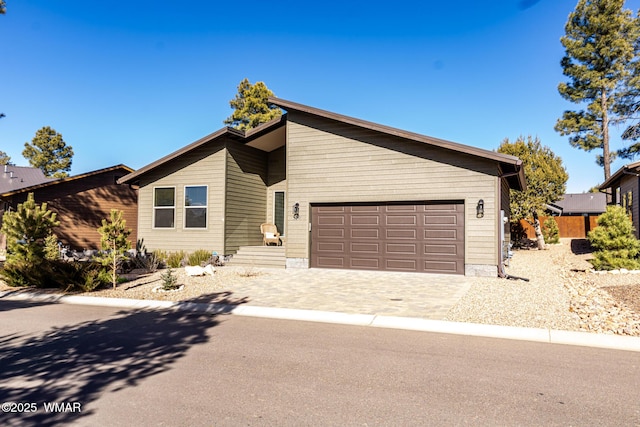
163, 218
196, 218
278, 211
164, 197
195, 196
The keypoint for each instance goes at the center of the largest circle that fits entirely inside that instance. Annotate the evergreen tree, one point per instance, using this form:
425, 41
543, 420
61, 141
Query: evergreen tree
27, 229
546, 181
600, 44
49, 152
3, 7
551, 231
5, 159
614, 240
114, 243
251, 107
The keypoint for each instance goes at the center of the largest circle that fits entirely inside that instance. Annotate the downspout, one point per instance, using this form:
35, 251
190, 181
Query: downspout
501, 271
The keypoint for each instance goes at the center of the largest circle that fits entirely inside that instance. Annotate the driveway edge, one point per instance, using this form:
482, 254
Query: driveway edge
586, 339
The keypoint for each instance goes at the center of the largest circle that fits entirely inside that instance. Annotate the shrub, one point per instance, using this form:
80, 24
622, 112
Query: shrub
550, 231
614, 240
162, 255
175, 259
80, 276
150, 262
200, 257
169, 281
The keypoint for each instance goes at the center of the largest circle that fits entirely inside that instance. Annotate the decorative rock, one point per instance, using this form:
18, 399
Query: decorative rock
196, 270
158, 289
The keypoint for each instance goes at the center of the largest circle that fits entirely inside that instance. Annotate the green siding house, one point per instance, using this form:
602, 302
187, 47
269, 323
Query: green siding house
343, 193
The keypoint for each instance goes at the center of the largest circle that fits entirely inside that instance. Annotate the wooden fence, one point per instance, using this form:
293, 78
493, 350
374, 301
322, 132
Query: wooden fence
575, 227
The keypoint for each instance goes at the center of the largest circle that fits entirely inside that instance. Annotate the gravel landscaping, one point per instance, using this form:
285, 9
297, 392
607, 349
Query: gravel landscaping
561, 292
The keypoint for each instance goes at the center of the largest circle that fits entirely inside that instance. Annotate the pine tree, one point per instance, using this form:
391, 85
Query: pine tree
600, 47
49, 152
5, 159
114, 242
251, 107
27, 229
614, 240
546, 181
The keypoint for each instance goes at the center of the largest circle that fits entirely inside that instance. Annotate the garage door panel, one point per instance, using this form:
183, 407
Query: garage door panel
401, 265
440, 249
364, 208
330, 262
330, 220
401, 208
400, 248
445, 207
431, 220
398, 233
330, 209
365, 263
402, 220
440, 234
331, 233
445, 267
365, 233
371, 248
422, 237
364, 220
331, 247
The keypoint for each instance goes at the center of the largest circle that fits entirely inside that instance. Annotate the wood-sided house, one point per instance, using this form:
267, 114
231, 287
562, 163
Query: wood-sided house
343, 192
81, 202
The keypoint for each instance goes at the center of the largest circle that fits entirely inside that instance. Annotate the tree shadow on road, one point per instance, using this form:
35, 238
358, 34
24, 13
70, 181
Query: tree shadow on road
78, 363
8, 305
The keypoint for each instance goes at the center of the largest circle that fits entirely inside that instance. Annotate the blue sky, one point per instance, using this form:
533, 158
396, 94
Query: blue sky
130, 82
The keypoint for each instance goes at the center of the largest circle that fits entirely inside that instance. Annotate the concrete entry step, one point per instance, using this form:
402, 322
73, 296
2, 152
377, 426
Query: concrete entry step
259, 256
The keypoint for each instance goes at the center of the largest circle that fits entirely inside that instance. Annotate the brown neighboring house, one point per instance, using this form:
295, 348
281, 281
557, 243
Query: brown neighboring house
622, 189
81, 203
343, 193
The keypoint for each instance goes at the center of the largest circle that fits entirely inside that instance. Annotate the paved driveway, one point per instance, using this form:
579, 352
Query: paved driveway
350, 291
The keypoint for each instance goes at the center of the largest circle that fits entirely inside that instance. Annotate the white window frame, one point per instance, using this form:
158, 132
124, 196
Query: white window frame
175, 196
205, 207
284, 211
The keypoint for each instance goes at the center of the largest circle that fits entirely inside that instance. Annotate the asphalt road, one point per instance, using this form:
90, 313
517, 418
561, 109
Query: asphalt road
108, 367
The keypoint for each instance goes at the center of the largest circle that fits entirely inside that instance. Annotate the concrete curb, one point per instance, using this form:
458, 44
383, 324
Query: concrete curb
615, 342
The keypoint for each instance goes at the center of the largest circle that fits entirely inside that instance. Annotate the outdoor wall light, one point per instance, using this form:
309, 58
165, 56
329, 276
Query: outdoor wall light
480, 209
296, 210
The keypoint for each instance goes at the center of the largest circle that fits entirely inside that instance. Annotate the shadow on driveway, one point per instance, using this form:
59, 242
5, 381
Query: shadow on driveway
78, 363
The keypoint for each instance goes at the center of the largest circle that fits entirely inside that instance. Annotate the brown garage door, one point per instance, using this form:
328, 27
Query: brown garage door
422, 237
